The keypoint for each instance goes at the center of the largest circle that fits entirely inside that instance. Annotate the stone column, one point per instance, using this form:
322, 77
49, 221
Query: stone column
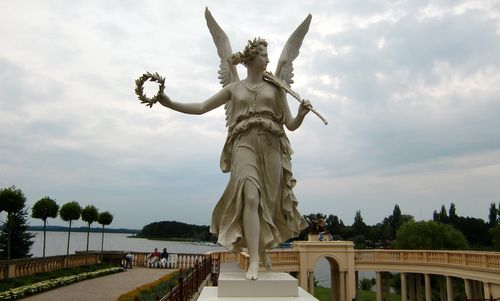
428, 287
468, 289
342, 291
310, 283
442, 289
449, 288
404, 293
302, 276
487, 290
378, 285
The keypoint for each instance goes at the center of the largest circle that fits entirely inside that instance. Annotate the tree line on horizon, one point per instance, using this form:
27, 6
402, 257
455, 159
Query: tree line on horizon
447, 230
175, 230
16, 241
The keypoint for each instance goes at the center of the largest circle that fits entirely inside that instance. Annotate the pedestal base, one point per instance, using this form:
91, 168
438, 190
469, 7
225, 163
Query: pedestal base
234, 284
209, 293
268, 287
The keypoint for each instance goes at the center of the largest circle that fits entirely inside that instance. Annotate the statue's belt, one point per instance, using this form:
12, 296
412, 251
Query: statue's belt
262, 121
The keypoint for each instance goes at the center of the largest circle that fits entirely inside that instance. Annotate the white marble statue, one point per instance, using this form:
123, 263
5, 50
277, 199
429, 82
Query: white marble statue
258, 208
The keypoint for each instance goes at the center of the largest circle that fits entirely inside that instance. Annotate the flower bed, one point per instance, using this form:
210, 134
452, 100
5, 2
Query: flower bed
42, 286
154, 290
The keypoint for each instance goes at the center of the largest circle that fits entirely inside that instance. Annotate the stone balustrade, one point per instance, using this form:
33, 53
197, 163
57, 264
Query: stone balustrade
31, 266
466, 259
484, 260
175, 260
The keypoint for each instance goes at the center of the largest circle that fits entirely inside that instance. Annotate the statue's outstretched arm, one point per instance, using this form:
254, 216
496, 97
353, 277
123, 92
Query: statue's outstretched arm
197, 108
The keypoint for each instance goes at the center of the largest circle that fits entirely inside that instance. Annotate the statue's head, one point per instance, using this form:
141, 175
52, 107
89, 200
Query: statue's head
252, 50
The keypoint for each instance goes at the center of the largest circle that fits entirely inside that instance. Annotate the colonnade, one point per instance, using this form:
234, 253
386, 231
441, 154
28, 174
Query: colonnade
420, 271
417, 287
414, 286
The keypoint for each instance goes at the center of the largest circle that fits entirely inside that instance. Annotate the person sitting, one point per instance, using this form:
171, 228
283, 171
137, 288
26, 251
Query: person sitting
153, 259
164, 258
164, 254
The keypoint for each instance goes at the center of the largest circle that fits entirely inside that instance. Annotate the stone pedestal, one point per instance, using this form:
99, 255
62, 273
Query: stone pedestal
269, 287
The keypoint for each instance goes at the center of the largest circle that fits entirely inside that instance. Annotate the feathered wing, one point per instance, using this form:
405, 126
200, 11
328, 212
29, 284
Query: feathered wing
227, 72
284, 69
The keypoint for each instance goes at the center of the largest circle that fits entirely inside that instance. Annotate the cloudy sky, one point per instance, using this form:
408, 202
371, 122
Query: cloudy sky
411, 90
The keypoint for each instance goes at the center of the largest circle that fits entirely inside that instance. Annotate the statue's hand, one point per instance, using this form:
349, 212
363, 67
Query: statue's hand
165, 100
305, 107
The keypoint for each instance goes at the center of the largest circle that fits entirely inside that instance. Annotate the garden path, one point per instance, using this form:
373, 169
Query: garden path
106, 288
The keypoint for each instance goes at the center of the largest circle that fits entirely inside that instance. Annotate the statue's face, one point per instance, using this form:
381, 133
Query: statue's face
261, 60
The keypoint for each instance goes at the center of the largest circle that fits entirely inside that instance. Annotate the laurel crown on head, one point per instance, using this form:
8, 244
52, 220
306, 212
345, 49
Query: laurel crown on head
251, 51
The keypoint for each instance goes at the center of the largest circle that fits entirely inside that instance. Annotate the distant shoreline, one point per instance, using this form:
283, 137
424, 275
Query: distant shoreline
84, 229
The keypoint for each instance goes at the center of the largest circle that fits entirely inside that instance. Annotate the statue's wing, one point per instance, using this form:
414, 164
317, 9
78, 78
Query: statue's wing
284, 70
227, 72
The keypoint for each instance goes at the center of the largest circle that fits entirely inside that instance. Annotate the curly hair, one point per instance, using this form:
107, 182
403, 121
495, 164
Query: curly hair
251, 51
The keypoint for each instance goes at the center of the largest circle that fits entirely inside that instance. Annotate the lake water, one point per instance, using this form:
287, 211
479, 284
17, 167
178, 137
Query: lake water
57, 242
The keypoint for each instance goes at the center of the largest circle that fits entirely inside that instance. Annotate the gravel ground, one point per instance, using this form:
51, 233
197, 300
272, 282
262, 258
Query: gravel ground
106, 288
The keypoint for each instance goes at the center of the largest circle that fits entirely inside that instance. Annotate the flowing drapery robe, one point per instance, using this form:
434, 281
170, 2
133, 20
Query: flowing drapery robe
257, 150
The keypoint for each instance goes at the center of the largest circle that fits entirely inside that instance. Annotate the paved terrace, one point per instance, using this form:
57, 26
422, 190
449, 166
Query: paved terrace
106, 288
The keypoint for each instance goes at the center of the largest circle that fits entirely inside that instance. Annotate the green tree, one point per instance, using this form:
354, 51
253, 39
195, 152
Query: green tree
493, 215
89, 215
366, 284
43, 209
21, 239
475, 231
452, 214
359, 227
442, 216
396, 219
12, 201
105, 218
335, 225
495, 237
70, 212
429, 235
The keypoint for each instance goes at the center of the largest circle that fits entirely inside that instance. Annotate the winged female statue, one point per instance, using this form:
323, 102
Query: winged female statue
258, 208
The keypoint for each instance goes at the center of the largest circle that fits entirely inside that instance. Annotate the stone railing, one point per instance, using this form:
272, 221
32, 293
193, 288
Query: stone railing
175, 260
225, 256
288, 260
282, 260
31, 266
471, 259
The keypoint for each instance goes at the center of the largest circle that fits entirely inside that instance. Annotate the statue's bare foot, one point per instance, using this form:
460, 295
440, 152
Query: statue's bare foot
267, 261
253, 268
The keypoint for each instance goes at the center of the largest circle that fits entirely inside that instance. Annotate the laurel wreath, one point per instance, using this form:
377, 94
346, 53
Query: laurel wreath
139, 90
